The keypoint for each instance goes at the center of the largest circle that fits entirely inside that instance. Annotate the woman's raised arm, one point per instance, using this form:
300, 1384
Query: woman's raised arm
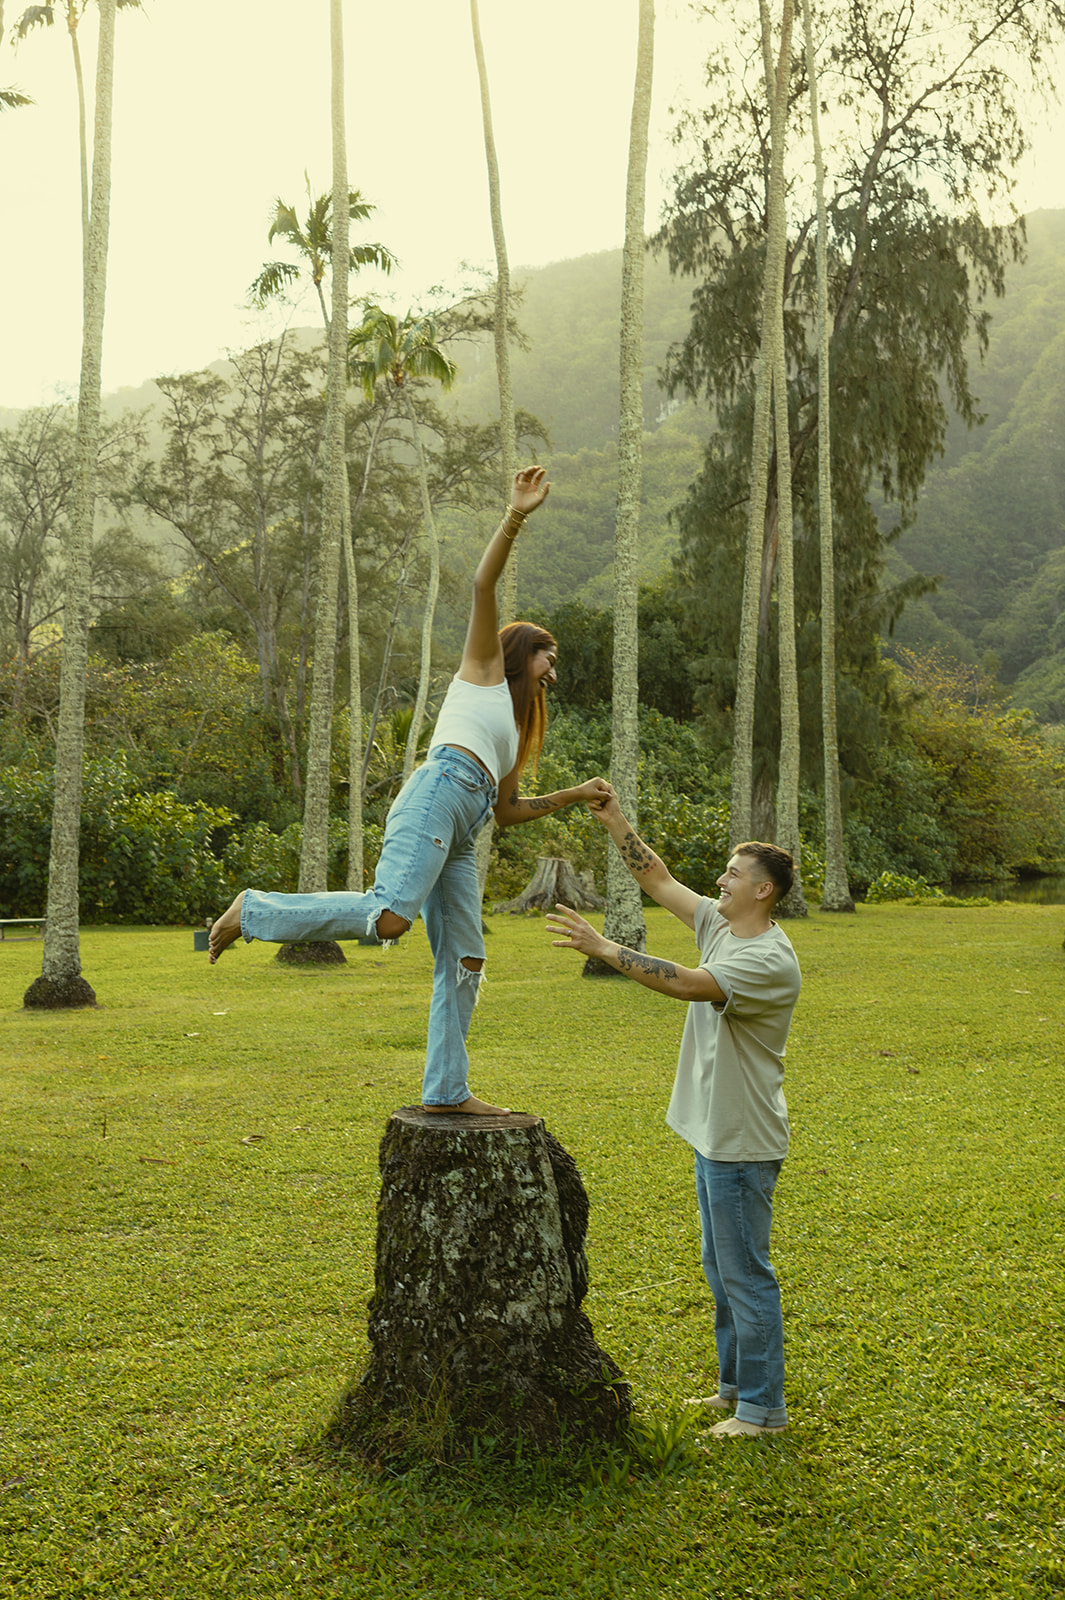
482, 655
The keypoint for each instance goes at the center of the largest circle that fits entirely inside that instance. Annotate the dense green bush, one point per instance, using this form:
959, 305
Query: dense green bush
143, 857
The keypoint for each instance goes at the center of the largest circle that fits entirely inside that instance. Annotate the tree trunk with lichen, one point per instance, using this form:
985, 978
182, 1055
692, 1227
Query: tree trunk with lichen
61, 984
475, 1323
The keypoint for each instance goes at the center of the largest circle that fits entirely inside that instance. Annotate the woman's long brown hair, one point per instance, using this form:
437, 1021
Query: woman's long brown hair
520, 640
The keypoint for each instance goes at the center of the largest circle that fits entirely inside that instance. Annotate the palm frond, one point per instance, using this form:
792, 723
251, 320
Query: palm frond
275, 276
287, 223
372, 255
11, 99
317, 227
429, 361
33, 17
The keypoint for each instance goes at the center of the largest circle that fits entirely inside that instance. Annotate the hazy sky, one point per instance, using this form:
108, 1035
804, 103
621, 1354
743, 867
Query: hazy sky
220, 107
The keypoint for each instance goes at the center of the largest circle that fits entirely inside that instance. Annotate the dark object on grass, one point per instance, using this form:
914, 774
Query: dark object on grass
312, 953
555, 883
476, 1330
59, 994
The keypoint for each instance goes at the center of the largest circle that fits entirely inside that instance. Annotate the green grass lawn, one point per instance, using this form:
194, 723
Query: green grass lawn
189, 1179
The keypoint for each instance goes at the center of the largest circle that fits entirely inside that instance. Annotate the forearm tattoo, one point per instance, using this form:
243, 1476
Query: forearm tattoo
536, 802
635, 854
633, 961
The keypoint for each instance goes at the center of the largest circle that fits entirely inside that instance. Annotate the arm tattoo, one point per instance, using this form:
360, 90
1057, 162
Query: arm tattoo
541, 802
632, 961
635, 854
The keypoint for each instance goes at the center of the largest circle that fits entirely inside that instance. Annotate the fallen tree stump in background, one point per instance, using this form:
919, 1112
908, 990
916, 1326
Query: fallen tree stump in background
475, 1323
553, 883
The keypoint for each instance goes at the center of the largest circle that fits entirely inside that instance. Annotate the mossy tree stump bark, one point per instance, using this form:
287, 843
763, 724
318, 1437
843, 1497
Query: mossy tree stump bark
475, 1322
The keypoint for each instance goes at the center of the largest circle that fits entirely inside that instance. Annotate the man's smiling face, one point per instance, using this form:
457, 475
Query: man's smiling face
742, 885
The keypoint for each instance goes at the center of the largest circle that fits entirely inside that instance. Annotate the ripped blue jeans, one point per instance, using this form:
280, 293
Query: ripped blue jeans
427, 866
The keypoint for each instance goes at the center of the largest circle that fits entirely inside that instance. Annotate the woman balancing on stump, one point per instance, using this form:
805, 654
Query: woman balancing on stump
492, 720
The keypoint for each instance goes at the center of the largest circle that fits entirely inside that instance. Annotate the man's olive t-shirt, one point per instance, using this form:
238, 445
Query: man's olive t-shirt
728, 1096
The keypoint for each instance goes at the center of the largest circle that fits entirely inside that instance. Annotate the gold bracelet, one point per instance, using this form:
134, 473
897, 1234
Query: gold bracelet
512, 511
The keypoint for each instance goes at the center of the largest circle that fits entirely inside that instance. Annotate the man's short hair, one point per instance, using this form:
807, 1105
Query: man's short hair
777, 864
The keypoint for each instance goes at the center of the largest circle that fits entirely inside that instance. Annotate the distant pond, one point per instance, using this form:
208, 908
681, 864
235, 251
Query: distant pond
1028, 891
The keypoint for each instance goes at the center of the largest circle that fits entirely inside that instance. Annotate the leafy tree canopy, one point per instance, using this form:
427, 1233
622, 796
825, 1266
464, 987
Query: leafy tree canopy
922, 108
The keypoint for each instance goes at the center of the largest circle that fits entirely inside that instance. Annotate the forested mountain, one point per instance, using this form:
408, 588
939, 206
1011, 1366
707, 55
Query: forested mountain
567, 376
991, 520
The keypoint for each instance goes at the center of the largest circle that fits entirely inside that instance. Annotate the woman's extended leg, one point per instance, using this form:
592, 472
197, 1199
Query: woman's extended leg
290, 918
406, 872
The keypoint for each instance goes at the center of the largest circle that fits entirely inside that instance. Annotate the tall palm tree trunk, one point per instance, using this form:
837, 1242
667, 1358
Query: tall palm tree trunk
624, 920
787, 833
742, 794
418, 714
61, 983
508, 596
357, 761
314, 852
508, 601
837, 895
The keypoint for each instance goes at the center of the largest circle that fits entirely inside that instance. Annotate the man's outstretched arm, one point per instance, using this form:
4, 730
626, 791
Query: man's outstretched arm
649, 870
665, 977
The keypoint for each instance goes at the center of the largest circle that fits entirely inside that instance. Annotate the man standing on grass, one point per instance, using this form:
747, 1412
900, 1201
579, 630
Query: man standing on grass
728, 1097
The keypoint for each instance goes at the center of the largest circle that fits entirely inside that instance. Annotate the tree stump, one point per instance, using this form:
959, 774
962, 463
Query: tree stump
311, 953
475, 1323
555, 882
59, 994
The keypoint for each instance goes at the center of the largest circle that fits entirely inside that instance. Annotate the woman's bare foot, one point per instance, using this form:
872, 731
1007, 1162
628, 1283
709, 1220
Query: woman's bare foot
474, 1108
225, 930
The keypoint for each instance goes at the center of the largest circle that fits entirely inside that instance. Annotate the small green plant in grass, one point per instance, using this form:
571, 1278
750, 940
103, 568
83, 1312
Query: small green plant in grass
664, 1444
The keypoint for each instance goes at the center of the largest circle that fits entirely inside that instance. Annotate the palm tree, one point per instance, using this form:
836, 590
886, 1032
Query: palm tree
507, 431
44, 17
837, 895
396, 350
316, 241
61, 983
754, 600
624, 919
313, 240
314, 850
787, 833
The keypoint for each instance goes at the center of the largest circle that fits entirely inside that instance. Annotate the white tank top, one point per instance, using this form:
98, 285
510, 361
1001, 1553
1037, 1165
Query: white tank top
479, 717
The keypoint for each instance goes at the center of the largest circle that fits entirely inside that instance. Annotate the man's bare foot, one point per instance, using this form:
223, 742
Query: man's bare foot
473, 1108
225, 930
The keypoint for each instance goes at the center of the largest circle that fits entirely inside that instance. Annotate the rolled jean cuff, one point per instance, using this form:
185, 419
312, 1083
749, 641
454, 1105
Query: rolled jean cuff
776, 1417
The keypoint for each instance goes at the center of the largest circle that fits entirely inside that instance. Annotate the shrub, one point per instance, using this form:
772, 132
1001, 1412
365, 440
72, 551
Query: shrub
916, 892
143, 857
897, 886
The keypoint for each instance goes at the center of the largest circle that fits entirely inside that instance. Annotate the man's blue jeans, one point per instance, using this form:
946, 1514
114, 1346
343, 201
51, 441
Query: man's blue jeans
736, 1210
427, 865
